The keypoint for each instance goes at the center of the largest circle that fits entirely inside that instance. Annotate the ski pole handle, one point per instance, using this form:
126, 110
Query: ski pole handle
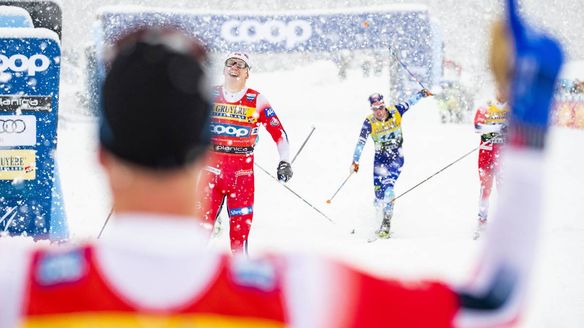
342, 184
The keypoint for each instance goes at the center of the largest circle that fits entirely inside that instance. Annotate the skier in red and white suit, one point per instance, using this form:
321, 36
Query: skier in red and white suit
238, 112
491, 122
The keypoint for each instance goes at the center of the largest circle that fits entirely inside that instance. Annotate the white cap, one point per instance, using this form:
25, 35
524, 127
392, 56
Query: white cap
240, 55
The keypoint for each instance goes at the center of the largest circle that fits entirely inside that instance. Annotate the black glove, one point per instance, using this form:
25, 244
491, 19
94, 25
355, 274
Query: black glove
284, 171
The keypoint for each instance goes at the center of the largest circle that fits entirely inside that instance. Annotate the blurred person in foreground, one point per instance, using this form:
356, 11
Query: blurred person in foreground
491, 122
237, 115
153, 269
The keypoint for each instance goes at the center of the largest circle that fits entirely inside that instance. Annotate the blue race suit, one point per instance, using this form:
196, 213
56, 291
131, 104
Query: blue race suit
388, 160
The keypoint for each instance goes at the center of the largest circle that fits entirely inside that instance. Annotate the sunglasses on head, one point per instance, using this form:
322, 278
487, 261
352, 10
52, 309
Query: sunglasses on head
237, 62
376, 97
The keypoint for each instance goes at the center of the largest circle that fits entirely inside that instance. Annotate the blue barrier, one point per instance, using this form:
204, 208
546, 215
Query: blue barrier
29, 98
407, 29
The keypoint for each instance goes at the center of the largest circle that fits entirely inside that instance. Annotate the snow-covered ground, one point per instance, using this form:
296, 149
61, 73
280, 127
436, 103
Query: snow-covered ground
433, 223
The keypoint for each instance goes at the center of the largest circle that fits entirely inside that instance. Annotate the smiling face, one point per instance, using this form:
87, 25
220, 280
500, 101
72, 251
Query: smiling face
236, 68
379, 111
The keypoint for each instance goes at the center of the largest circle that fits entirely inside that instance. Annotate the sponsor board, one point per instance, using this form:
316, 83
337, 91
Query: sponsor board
290, 32
409, 30
17, 130
29, 98
17, 164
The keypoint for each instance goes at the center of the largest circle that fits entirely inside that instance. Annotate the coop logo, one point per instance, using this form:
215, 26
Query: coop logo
273, 31
20, 63
229, 130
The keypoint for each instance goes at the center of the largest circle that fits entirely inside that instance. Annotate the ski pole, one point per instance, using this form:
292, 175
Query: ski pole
295, 194
342, 184
304, 143
406, 68
106, 221
430, 177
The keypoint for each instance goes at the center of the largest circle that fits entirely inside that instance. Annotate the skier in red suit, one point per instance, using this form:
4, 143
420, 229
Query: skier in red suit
237, 115
491, 122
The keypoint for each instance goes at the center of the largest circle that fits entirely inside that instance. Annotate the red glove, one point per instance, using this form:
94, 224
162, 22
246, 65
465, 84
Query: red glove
355, 167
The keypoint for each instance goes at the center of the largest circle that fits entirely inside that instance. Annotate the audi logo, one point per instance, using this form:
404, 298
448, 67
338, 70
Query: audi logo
12, 126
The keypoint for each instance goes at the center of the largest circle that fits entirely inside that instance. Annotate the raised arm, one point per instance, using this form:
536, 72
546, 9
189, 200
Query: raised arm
496, 293
363, 135
404, 106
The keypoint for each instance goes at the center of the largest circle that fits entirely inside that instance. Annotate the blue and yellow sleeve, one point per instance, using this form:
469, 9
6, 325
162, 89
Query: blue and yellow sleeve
365, 131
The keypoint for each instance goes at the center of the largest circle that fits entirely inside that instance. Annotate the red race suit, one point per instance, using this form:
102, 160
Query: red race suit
491, 122
174, 280
235, 121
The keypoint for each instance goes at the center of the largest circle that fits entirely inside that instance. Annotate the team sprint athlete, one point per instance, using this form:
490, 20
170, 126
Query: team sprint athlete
238, 112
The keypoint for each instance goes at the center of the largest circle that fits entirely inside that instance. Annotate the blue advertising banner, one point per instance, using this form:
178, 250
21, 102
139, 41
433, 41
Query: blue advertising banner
407, 29
29, 97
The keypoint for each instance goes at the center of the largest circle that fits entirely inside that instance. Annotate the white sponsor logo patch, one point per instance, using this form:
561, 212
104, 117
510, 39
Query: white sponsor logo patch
229, 130
17, 130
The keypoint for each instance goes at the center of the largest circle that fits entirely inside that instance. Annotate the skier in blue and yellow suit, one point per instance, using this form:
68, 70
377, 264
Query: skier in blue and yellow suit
384, 126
